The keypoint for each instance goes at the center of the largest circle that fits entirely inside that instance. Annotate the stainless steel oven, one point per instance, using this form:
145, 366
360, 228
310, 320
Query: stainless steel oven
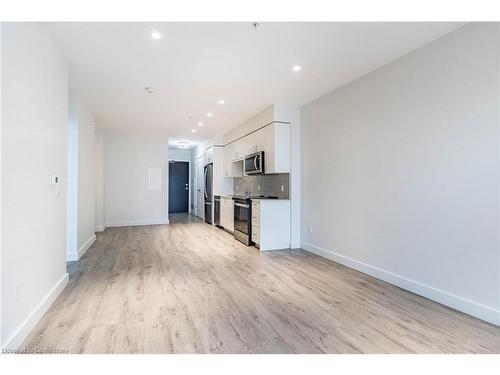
254, 163
242, 220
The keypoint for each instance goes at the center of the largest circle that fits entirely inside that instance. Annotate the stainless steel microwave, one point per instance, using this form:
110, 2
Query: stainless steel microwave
254, 163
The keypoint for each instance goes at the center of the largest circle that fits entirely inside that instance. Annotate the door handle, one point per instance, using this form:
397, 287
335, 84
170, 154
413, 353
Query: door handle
206, 195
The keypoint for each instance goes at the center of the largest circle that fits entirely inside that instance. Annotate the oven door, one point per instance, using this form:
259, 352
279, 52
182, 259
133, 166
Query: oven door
254, 164
242, 217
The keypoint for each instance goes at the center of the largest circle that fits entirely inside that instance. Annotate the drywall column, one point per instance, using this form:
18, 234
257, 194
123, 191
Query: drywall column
99, 180
86, 179
72, 181
81, 179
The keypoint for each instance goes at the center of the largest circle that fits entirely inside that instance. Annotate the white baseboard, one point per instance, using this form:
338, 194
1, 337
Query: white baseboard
25, 328
100, 228
82, 250
73, 257
132, 223
456, 302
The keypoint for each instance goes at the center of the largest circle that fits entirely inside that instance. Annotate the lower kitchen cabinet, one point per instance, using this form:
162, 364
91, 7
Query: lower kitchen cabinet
271, 224
227, 213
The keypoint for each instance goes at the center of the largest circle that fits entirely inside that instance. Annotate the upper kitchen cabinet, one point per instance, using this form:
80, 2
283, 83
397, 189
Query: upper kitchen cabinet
221, 185
209, 155
233, 164
273, 139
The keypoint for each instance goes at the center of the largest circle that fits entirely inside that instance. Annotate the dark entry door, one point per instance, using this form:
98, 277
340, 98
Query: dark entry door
178, 186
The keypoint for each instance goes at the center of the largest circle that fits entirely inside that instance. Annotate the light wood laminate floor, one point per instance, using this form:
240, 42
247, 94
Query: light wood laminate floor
191, 288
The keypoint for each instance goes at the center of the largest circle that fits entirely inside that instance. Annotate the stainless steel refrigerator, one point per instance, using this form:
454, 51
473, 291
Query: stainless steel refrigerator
209, 198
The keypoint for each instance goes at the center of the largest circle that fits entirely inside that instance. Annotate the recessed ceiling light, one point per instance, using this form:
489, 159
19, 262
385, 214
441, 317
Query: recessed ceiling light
200, 124
155, 34
149, 89
209, 114
193, 130
222, 101
297, 68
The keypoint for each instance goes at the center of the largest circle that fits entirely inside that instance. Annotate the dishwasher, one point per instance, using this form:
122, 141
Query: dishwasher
217, 210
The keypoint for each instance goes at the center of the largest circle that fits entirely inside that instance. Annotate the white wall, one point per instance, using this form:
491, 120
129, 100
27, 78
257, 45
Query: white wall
34, 130
99, 180
400, 172
127, 158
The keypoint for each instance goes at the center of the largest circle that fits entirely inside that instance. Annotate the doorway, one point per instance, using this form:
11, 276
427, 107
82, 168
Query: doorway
178, 186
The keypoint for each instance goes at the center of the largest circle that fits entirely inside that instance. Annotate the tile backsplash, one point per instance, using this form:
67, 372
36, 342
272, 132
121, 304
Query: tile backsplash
267, 184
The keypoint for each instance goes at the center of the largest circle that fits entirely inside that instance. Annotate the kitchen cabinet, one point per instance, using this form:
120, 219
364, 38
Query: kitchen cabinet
227, 213
271, 224
209, 155
233, 167
221, 186
274, 139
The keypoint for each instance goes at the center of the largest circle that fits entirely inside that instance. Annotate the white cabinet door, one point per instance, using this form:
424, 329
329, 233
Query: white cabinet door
227, 213
281, 148
238, 149
209, 155
251, 143
228, 155
233, 166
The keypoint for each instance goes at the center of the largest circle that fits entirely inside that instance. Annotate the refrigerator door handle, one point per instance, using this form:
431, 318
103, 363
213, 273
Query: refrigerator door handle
206, 195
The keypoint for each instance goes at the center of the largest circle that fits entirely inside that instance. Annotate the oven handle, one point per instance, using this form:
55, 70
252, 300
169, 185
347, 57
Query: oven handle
242, 205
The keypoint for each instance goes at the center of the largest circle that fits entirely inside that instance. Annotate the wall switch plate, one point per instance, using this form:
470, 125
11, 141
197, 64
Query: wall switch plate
310, 228
282, 187
258, 187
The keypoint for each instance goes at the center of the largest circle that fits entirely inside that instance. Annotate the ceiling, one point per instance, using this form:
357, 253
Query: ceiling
194, 65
